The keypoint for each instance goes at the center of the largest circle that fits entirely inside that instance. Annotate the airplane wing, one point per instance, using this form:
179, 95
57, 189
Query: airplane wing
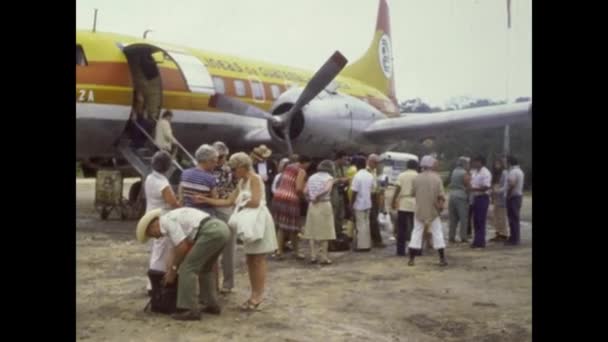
433, 124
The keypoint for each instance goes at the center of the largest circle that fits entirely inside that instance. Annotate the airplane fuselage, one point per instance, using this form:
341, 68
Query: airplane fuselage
105, 87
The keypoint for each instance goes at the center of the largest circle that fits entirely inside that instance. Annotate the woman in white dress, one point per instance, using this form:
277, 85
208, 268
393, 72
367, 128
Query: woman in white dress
256, 251
159, 195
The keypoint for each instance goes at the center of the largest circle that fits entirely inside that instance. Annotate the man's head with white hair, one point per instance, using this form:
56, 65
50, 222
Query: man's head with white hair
373, 160
206, 156
428, 162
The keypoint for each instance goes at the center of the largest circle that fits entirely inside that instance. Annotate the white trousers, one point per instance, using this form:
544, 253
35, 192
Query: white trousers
363, 238
436, 230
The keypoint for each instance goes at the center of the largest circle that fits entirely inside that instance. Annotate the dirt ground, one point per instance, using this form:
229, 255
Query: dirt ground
483, 295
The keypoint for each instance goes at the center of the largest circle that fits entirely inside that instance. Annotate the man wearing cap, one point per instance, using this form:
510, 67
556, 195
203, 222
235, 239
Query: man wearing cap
198, 240
427, 188
264, 167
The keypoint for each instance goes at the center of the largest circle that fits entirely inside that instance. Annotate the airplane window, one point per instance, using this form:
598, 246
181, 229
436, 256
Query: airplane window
80, 57
218, 83
258, 90
240, 87
275, 91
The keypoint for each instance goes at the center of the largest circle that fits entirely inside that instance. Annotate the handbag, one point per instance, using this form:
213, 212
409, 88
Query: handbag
247, 222
163, 299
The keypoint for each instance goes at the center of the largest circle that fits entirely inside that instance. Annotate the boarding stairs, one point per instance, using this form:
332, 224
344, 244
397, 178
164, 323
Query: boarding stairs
140, 158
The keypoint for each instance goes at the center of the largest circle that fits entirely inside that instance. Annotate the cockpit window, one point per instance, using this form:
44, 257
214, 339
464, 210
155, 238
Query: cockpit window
80, 57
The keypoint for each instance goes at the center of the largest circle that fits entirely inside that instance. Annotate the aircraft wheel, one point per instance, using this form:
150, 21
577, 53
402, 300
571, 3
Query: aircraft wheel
137, 202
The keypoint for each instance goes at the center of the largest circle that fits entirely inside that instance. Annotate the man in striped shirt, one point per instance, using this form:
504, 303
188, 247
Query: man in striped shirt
200, 179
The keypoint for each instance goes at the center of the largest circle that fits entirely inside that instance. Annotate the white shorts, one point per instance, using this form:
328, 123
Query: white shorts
436, 230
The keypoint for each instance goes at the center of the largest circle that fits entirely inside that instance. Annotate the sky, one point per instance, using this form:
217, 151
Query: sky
442, 48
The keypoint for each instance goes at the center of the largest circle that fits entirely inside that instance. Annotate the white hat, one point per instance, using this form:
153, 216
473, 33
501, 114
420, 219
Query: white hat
427, 161
143, 224
262, 152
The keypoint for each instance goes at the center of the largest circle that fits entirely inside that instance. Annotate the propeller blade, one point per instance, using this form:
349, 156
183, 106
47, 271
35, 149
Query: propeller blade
236, 106
319, 81
288, 140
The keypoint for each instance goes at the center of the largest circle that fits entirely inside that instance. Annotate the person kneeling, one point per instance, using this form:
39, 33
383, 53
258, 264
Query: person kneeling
198, 240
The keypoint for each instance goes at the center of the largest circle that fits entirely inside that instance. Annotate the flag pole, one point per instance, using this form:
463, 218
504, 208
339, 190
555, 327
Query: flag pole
507, 133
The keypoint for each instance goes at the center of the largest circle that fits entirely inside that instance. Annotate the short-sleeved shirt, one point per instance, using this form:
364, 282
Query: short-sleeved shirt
180, 224
197, 181
457, 186
153, 187
516, 176
427, 187
362, 184
481, 178
225, 182
407, 202
317, 183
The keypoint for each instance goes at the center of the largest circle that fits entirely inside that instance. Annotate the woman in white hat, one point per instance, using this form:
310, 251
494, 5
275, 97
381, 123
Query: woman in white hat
198, 240
256, 251
319, 225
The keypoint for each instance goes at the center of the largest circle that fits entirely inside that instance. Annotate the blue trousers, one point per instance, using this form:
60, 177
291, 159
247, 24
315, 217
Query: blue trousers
480, 213
513, 208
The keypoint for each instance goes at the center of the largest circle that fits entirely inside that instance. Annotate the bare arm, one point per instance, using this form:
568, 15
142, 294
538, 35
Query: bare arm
169, 197
353, 199
178, 255
396, 196
328, 186
467, 181
217, 202
300, 182
180, 194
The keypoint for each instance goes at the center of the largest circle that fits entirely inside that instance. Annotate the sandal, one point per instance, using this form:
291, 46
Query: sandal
249, 306
278, 257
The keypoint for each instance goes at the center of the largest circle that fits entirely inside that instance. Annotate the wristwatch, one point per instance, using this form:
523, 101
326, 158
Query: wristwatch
174, 268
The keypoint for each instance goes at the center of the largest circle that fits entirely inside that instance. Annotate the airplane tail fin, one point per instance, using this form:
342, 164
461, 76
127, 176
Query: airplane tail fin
375, 67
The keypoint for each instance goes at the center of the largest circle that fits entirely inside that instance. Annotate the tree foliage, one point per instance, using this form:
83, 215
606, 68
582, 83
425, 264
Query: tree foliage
486, 142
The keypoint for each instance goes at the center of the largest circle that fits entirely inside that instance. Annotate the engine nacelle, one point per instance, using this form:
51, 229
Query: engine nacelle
328, 122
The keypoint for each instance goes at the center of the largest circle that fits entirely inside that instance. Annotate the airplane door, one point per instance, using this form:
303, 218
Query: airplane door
195, 72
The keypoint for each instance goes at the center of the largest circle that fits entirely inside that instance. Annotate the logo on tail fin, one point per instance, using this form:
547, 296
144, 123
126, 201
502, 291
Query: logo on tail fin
385, 56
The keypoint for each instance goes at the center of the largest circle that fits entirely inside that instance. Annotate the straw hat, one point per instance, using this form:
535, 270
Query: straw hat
262, 152
143, 224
